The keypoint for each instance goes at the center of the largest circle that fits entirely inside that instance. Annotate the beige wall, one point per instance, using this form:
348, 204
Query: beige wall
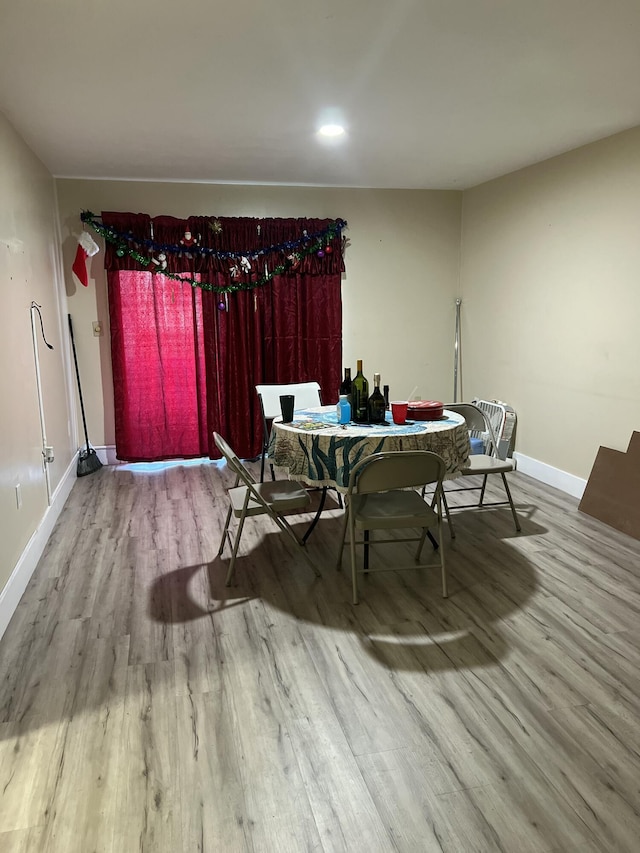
550, 283
29, 265
398, 293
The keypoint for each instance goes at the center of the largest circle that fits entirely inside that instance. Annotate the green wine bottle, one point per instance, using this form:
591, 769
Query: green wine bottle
376, 403
359, 396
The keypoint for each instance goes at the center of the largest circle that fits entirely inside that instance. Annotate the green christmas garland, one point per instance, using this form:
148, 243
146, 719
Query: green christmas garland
317, 243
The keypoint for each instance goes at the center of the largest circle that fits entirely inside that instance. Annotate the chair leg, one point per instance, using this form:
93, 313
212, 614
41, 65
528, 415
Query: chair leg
452, 530
421, 543
513, 509
343, 536
284, 526
366, 551
232, 564
443, 569
445, 591
426, 532
352, 549
225, 532
265, 447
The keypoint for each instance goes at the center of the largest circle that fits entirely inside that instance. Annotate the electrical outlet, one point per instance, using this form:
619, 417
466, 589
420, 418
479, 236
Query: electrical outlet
19, 496
97, 328
48, 454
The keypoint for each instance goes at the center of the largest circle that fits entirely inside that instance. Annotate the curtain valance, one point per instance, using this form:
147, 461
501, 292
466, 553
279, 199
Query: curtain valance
244, 248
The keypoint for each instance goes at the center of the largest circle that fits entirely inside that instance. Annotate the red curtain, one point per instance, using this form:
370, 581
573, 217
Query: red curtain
157, 352
289, 331
183, 367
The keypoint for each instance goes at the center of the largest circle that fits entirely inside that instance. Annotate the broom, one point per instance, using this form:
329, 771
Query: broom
88, 461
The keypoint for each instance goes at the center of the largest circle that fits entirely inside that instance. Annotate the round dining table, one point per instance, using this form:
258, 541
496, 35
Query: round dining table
317, 450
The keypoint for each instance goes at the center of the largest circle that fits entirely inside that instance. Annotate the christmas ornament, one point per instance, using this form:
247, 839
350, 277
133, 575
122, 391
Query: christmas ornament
87, 248
160, 263
234, 271
294, 260
216, 226
189, 240
245, 265
328, 250
320, 253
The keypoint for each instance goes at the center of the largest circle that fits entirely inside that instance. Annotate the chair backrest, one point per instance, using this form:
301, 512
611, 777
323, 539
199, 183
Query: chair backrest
502, 420
306, 394
398, 469
233, 462
494, 412
477, 421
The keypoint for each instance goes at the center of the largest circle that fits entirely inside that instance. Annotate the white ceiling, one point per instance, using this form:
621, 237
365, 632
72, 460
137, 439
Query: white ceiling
434, 93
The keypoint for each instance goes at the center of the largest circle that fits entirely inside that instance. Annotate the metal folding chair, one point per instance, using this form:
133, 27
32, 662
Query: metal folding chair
382, 496
481, 464
248, 498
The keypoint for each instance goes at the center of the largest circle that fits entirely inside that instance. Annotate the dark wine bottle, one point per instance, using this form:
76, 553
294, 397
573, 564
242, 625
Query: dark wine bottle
359, 397
376, 402
346, 385
385, 394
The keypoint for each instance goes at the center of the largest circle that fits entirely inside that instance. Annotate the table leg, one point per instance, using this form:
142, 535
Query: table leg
317, 515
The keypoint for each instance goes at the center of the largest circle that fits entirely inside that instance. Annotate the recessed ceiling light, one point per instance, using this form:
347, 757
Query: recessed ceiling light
331, 130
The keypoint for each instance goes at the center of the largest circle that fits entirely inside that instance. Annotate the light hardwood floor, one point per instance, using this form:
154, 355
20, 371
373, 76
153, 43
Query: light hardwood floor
145, 707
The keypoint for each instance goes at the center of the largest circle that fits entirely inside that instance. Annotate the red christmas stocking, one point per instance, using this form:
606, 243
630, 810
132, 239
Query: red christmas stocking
87, 247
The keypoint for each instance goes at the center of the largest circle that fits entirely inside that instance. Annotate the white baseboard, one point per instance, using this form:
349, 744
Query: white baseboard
568, 483
107, 454
12, 593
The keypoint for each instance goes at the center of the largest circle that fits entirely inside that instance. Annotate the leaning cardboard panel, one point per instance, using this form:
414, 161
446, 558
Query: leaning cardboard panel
612, 494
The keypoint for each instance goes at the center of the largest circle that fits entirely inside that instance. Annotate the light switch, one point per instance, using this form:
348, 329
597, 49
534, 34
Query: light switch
97, 328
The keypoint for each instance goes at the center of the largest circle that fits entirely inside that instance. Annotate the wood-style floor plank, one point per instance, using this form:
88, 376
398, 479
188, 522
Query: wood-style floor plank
146, 706
83, 811
21, 840
344, 812
276, 801
148, 791
31, 756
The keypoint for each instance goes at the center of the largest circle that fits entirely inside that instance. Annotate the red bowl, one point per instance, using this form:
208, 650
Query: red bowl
425, 410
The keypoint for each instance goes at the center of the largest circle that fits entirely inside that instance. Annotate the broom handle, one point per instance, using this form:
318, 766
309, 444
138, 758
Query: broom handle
75, 361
